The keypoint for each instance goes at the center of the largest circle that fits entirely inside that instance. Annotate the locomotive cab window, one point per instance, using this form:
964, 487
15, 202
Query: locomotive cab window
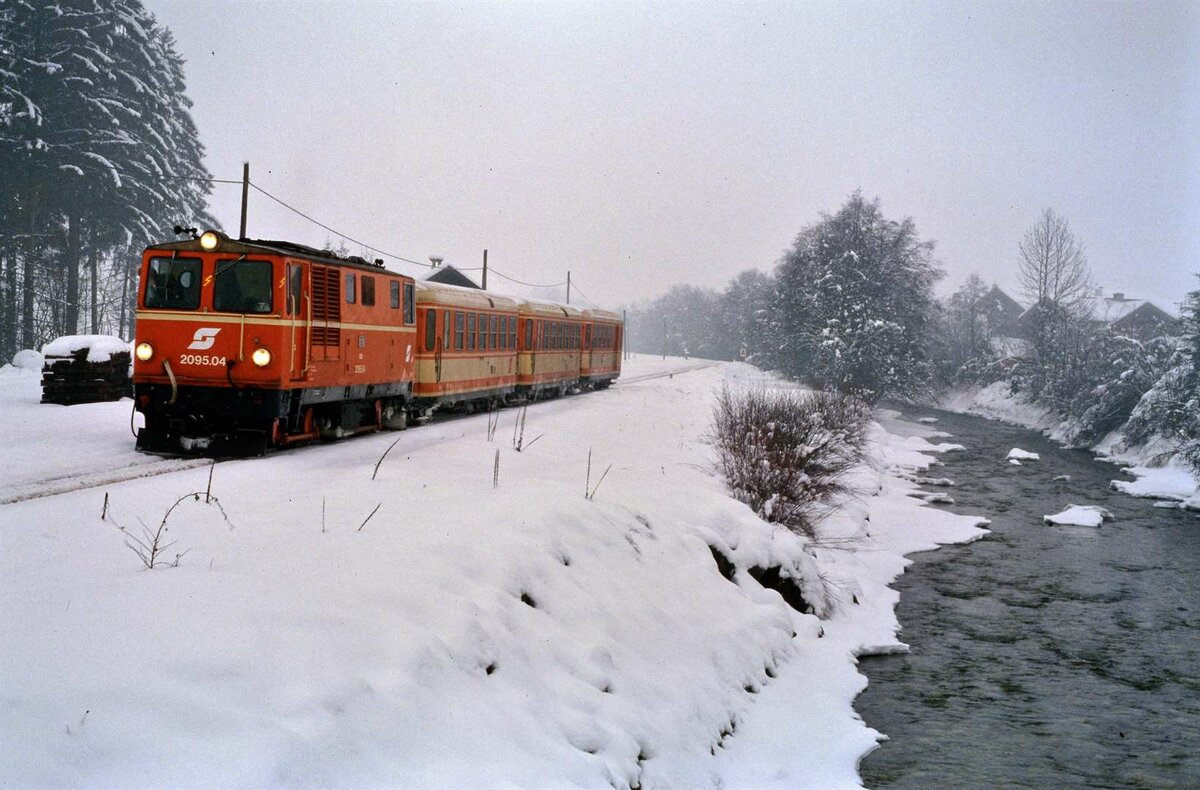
173, 284
368, 291
349, 289
395, 286
243, 287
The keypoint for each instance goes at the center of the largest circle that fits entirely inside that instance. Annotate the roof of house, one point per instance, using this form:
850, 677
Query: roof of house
448, 275
1111, 309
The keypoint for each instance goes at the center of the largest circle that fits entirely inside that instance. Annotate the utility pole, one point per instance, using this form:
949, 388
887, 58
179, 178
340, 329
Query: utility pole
485, 270
245, 196
568, 287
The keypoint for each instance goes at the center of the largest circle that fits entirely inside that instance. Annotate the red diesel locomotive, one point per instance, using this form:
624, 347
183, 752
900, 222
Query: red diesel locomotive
245, 345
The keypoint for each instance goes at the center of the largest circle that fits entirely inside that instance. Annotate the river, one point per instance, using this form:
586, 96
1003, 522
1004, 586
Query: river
1042, 656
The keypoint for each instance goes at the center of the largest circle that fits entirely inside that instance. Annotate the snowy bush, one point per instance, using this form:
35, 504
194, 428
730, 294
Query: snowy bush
784, 453
1171, 408
1121, 370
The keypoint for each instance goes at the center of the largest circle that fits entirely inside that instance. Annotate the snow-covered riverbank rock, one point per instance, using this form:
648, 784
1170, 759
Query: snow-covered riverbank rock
1079, 516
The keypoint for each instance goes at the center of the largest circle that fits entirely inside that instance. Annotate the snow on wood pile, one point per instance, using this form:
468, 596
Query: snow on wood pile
426, 629
85, 369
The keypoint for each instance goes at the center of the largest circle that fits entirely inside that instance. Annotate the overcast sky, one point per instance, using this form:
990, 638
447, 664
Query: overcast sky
640, 145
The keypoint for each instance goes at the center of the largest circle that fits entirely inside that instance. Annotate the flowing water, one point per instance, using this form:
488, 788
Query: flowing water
1042, 656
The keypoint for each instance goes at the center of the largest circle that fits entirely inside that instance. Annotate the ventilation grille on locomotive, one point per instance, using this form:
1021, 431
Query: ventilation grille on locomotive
327, 306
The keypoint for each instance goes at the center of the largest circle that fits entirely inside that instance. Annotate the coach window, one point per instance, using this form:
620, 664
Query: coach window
243, 287
494, 343
430, 329
470, 331
483, 335
410, 304
368, 291
349, 289
528, 335
446, 329
173, 283
458, 331
512, 332
395, 300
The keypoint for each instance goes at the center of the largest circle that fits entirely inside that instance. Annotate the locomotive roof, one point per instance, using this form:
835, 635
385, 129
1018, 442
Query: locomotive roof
275, 247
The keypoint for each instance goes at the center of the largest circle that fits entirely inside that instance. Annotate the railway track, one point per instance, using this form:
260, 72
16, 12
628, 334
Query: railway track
664, 373
164, 466
98, 477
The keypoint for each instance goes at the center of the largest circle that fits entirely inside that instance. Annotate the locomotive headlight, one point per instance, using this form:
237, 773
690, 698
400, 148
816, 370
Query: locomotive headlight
210, 240
261, 357
144, 351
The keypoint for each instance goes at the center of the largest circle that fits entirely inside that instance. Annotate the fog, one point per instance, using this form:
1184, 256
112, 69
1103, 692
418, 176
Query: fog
640, 145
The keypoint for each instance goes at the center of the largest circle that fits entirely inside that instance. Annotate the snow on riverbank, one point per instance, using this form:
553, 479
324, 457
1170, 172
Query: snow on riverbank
429, 629
1159, 474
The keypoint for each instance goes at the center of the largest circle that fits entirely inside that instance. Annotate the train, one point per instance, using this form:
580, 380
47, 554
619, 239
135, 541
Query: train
245, 345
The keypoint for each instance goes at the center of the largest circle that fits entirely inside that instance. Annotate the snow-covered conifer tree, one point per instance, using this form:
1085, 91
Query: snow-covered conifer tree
94, 128
854, 300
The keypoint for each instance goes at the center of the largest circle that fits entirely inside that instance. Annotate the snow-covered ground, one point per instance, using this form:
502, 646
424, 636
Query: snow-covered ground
440, 623
1160, 475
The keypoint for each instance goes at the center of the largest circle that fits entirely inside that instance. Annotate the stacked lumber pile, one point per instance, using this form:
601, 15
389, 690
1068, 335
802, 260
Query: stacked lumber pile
86, 369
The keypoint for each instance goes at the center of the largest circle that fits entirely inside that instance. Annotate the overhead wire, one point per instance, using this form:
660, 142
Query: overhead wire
364, 245
492, 270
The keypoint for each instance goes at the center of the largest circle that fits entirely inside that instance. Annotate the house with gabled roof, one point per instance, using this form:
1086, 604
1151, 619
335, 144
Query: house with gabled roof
448, 275
1001, 312
1137, 318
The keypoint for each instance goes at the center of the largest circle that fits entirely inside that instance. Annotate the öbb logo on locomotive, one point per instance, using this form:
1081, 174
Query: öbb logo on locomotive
313, 345
204, 338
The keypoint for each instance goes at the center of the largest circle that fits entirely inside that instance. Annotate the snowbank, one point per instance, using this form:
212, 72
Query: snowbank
1160, 475
429, 628
28, 359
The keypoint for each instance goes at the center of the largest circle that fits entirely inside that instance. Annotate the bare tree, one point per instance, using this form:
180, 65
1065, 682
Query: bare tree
1053, 269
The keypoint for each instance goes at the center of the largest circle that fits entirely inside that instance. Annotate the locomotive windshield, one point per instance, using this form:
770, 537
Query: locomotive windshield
173, 284
243, 287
